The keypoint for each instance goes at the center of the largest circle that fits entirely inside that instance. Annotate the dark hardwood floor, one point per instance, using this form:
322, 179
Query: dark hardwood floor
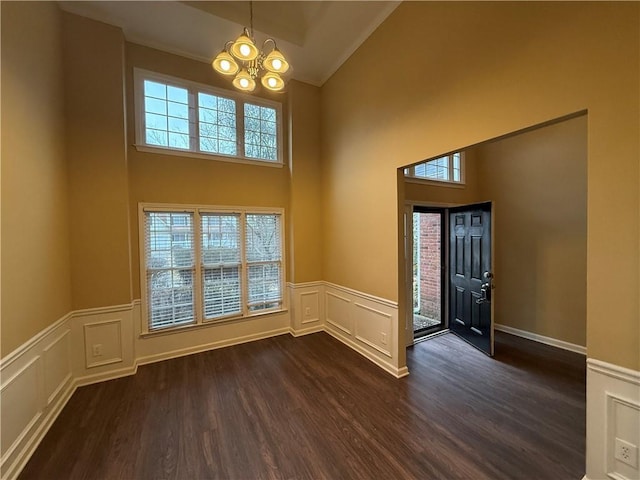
311, 408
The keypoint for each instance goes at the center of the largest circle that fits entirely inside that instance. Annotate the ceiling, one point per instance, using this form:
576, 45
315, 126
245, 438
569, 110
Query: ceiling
315, 36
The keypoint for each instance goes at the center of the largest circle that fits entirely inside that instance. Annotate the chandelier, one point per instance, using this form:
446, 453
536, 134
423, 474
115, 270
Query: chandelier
242, 59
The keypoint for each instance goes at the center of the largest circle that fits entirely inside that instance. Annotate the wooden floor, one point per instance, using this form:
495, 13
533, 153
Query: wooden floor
311, 408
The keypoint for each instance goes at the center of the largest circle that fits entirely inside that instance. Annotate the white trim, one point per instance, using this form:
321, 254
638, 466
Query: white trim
614, 371
210, 346
373, 298
31, 443
610, 390
203, 156
317, 284
386, 366
434, 183
572, 347
306, 331
18, 352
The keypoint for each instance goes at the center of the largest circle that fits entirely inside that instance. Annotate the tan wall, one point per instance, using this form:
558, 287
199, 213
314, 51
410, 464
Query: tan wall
35, 249
95, 139
174, 179
538, 184
503, 67
305, 234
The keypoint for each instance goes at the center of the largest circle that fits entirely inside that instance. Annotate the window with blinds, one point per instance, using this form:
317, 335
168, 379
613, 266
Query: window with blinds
203, 265
448, 168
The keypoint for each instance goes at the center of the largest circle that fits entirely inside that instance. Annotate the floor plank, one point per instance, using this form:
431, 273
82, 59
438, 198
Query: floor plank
311, 408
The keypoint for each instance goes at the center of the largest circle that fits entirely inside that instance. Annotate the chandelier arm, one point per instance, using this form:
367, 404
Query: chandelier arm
264, 44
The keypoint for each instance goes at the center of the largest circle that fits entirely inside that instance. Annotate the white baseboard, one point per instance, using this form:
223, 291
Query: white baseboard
386, 366
306, 331
210, 346
542, 339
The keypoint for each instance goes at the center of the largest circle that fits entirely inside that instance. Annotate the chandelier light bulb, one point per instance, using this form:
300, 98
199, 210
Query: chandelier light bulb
244, 81
275, 62
225, 64
272, 81
245, 50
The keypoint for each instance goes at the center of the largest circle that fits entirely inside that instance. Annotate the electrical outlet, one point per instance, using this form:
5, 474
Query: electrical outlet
97, 350
383, 338
626, 453
307, 311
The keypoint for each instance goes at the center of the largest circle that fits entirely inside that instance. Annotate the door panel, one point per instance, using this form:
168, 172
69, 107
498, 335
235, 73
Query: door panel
470, 275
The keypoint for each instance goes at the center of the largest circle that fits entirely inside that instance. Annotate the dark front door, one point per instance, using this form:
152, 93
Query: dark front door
470, 275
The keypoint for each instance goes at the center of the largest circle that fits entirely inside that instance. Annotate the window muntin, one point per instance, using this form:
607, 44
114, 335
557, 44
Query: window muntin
202, 265
448, 168
198, 120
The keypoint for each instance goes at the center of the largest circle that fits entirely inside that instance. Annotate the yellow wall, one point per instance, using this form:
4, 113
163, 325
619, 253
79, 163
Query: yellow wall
538, 184
35, 238
305, 234
482, 70
95, 142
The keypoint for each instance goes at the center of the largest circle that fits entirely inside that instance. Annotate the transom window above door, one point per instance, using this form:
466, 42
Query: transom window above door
448, 169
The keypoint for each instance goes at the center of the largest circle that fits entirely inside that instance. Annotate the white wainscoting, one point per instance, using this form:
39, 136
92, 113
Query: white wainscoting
307, 308
613, 411
36, 382
94, 345
542, 339
366, 323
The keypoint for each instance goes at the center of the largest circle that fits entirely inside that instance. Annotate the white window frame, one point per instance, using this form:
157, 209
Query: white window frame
409, 172
198, 306
193, 88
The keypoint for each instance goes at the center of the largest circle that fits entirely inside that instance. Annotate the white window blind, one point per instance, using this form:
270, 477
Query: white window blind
444, 169
264, 256
170, 268
221, 264
204, 265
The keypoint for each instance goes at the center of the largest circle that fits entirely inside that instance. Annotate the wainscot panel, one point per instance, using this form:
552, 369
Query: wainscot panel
36, 382
613, 416
366, 323
307, 308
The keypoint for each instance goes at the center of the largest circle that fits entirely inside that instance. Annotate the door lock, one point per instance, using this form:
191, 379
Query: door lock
485, 289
